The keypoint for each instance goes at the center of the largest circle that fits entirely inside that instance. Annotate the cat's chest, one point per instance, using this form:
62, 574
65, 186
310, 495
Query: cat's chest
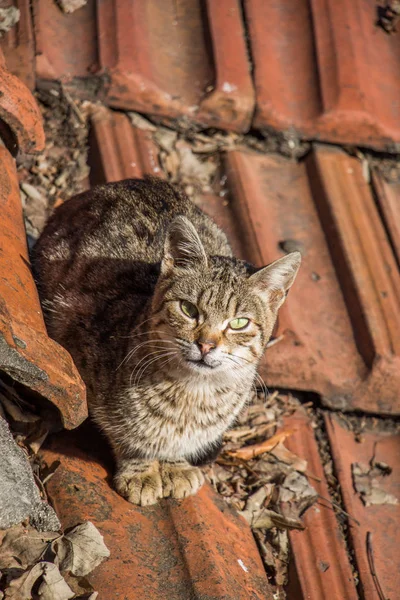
183, 420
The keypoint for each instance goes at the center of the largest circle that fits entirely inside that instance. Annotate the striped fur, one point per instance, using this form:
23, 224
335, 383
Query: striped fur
113, 266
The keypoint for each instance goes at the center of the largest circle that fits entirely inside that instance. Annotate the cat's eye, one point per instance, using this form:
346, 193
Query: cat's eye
239, 323
189, 309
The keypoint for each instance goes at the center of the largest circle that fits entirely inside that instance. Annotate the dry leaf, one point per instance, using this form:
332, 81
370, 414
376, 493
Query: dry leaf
81, 549
165, 138
367, 483
249, 452
54, 586
296, 488
140, 122
289, 458
269, 518
194, 171
23, 547
16, 413
20, 588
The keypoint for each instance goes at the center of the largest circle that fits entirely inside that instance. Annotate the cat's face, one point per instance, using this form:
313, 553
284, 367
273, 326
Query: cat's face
211, 314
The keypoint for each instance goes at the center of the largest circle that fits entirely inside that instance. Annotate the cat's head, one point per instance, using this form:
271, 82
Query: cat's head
215, 314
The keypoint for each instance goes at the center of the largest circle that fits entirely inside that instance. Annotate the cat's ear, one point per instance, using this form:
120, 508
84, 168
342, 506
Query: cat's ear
183, 248
273, 282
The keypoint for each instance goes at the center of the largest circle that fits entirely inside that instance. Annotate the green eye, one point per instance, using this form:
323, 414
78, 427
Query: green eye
189, 309
240, 323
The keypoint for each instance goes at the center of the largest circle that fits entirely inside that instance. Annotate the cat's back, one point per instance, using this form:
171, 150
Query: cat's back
123, 220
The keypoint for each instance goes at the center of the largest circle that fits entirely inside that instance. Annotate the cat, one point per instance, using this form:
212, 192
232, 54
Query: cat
164, 324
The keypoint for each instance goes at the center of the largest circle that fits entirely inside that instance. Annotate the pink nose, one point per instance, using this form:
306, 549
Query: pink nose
205, 346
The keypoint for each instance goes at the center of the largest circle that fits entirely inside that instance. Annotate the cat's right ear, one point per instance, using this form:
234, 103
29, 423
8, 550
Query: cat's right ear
183, 248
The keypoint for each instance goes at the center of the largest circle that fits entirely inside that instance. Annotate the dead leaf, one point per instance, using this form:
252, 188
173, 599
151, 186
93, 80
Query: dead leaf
367, 482
16, 413
249, 452
256, 501
20, 588
36, 438
295, 496
165, 138
267, 519
297, 489
289, 458
54, 586
140, 122
194, 171
81, 549
22, 547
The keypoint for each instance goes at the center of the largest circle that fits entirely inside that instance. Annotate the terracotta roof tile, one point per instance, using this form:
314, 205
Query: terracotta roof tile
19, 111
120, 151
198, 548
65, 44
18, 44
381, 519
324, 70
27, 354
321, 562
388, 195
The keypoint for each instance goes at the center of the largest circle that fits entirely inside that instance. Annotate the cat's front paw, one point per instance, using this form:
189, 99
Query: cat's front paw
180, 479
139, 486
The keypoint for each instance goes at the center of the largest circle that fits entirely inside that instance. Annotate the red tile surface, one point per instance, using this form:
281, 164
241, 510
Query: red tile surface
367, 272
118, 150
314, 64
198, 548
20, 112
179, 60
381, 520
18, 44
388, 196
324, 70
66, 44
321, 562
27, 354
351, 281
163, 59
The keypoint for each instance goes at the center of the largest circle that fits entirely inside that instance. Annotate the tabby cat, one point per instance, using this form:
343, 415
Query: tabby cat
165, 326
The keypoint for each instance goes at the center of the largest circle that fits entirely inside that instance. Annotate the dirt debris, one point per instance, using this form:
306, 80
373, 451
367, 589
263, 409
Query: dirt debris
388, 15
264, 481
368, 480
61, 170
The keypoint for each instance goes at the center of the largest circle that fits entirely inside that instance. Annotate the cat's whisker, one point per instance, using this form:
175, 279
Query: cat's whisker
158, 350
142, 344
146, 365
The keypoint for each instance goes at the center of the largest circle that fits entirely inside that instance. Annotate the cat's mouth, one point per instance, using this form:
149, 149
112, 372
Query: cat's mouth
200, 364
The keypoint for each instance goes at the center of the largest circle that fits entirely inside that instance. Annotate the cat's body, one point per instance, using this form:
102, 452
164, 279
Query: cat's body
145, 306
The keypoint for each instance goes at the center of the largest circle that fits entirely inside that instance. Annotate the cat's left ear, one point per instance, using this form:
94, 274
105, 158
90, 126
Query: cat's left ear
272, 283
183, 248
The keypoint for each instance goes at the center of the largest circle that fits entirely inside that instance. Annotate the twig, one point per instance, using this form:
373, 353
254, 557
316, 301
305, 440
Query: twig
371, 563
339, 508
314, 477
239, 462
73, 105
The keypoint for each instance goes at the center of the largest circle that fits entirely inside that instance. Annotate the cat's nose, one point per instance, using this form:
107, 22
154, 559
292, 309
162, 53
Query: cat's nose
205, 346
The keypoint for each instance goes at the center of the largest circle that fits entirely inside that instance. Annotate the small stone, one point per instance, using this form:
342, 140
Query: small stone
289, 246
19, 496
